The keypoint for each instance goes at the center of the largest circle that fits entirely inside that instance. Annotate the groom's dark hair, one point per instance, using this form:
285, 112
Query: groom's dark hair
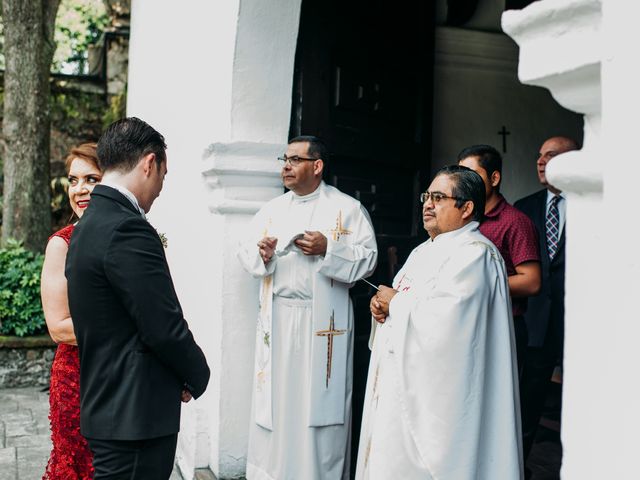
126, 141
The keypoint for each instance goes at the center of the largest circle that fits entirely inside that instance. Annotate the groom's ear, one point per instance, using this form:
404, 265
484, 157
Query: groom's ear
148, 163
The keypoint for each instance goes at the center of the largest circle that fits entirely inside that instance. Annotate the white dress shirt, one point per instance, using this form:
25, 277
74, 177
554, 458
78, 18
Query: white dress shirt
130, 196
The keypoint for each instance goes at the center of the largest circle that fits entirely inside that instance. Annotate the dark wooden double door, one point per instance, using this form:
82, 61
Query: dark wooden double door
363, 82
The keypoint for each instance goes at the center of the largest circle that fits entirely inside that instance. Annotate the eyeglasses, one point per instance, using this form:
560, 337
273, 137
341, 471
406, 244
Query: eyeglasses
295, 160
436, 197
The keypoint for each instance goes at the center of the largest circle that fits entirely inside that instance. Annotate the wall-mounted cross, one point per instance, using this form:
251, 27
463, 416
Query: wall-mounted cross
504, 134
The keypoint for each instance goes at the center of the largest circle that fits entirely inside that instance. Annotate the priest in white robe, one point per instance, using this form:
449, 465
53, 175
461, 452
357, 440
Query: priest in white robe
308, 246
442, 398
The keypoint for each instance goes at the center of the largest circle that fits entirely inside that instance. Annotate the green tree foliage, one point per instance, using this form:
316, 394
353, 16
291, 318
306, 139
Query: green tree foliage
79, 25
20, 307
117, 109
1, 43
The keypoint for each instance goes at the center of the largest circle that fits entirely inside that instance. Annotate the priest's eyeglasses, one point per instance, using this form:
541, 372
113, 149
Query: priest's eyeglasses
436, 197
295, 160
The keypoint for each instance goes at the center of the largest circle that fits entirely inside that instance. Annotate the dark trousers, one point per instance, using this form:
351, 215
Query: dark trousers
522, 338
150, 459
534, 387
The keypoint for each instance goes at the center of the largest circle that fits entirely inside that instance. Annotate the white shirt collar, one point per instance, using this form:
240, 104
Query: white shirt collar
127, 193
308, 196
550, 195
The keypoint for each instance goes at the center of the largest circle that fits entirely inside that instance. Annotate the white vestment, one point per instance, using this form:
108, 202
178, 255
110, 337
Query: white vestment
442, 392
301, 406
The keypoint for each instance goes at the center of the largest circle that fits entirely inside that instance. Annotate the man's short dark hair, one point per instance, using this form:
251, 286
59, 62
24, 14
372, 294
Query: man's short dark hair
467, 185
126, 141
317, 147
488, 157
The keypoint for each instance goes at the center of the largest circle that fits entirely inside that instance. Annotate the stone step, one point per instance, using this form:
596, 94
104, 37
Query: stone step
41, 440
8, 464
32, 461
204, 474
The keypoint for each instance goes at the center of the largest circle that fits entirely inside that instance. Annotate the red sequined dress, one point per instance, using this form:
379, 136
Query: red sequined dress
70, 457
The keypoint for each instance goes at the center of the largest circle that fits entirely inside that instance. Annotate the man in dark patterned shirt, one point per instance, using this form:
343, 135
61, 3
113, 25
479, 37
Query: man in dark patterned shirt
512, 232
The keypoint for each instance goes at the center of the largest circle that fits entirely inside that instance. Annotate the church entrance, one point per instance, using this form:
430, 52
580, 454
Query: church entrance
363, 82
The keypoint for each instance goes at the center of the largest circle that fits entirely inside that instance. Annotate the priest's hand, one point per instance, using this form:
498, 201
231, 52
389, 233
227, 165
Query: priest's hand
382, 300
312, 243
267, 247
376, 312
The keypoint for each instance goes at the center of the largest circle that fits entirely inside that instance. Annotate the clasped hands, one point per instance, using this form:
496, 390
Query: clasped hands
379, 304
311, 243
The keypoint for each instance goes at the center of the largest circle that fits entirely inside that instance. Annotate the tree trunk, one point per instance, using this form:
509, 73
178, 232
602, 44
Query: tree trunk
28, 50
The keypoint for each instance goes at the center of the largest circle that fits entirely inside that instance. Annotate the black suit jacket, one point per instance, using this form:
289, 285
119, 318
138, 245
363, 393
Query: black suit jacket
136, 350
545, 311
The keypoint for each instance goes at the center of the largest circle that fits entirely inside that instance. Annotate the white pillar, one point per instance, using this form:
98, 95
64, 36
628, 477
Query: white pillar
584, 52
216, 79
620, 328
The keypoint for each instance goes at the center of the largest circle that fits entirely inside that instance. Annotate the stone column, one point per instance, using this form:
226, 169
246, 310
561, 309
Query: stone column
584, 52
216, 79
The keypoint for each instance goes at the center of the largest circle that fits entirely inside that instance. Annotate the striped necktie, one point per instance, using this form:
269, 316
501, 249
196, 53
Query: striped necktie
553, 226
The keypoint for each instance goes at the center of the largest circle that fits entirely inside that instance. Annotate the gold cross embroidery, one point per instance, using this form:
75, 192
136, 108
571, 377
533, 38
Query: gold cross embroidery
266, 285
261, 379
330, 333
339, 230
375, 382
367, 453
265, 232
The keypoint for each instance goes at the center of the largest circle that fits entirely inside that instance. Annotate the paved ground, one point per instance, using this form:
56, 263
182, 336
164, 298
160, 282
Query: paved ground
25, 443
24, 434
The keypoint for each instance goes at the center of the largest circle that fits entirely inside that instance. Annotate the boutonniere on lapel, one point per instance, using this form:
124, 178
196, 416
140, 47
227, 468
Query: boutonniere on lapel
163, 239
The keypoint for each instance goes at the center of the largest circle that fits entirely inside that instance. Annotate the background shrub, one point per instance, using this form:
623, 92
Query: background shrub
20, 306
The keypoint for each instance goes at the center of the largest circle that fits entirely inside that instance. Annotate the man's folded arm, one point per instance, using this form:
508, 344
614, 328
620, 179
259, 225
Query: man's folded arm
137, 269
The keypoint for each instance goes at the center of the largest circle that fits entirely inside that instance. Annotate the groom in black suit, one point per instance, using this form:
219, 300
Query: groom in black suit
138, 359
545, 311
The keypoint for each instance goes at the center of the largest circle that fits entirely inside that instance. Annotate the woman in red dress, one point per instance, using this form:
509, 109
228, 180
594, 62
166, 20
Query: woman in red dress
70, 457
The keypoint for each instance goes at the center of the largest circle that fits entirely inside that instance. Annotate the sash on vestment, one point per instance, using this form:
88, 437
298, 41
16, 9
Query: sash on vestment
331, 329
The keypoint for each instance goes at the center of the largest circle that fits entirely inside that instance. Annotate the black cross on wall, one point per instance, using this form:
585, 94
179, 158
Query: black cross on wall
504, 132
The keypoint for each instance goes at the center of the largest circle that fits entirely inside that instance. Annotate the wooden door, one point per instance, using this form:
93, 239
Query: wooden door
363, 82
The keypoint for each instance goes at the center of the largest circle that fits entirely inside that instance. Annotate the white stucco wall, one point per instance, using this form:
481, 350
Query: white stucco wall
585, 52
477, 91
265, 52
181, 86
620, 416
216, 81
